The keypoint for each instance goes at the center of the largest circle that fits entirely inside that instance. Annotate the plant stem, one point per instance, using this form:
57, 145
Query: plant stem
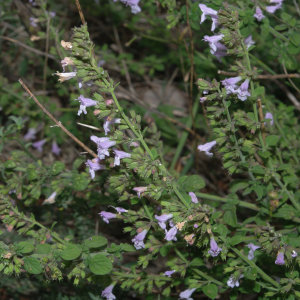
180, 196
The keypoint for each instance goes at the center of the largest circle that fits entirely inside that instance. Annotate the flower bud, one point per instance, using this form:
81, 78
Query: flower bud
109, 102
97, 112
139, 230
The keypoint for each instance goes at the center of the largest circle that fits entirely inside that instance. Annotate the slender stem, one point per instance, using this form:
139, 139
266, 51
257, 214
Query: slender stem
80, 11
155, 277
198, 271
180, 196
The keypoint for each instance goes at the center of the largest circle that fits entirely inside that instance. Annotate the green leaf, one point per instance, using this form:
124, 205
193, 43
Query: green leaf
197, 262
165, 249
192, 183
31, 174
210, 290
295, 38
154, 152
100, 264
236, 240
259, 91
258, 170
9, 164
25, 247
286, 212
264, 154
238, 184
77, 163
291, 49
290, 179
79, 182
95, 241
43, 248
57, 167
230, 218
272, 140
70, 253
251, 273
127, 248
281, 27
33, 266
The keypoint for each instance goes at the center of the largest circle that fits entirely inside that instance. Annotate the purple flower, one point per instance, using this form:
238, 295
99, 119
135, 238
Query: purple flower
119, 209
249, 42
194, 198
294, 253
196, 225
280, 259
140, 190
171, 223
207, 11
207, 147
30, 135
119, 155
242, 91
102, 145
139, 240
252, 248
39, 145
212, 40
94, 165
258, 14
269, 116
84, 103
202, 99
171, 234
273, 8
230, 84
221, 51
214, 249
107, 123
52, 14
106, 216
186, 294
55, 149
169, 273
133, 5
162, 219
232, 282
33, 21
107, 293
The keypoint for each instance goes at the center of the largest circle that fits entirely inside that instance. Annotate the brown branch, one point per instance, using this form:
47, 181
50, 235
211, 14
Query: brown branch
278, 76
57, 122
289, 79
80, 12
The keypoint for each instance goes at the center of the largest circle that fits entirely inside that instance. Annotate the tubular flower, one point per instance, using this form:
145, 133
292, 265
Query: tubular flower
51, 199
102, 145
139, 240
30, 135
232, 282
33, 21
194, 198
294, 253
242, 91
107, 123
84, 103
39, 145
258, 14
65, 76
106, 216
280, 259
207, 147
133, 5
119, 209
55, 149
212, 40
269, 116
252, 248
94, 165
140, 190
273, 8
162, 219
186, 294
221, 51
67, 61
66, 45
207, 11
230, 84
214, 249
249, 42
107, 293
169, 273
171, 234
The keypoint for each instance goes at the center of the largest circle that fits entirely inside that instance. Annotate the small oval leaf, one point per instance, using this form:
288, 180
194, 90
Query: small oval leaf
100, 264
70, 253
95, 241
33, 266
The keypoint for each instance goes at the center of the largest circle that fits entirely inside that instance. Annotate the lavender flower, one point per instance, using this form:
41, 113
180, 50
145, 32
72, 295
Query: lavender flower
119, 209
140, 190
52, 14
162, 219
280, 259
33, 21
207, 147
294, 253
214, 249
107, 293
102, 145
212, 40
169, 273
194, 198
252, 248
202, 99
139, 240
230, 84
106, 216
258, 14
249, 42
84, 103
51, 199
186, 294
120, 155
171, 223
232, 282
133, 5
242, 91
221, 51
207, 11
269, 116
94, 165
171, 234
65, 76
55, 149
273, 8
30, 135
67, 61
196, 225
39, 145
107, 123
